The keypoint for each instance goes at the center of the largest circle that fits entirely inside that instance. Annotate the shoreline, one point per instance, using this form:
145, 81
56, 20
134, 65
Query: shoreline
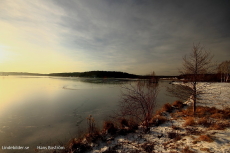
175, 134
178, 132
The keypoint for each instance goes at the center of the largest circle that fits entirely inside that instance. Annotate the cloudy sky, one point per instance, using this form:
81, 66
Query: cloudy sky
135, 36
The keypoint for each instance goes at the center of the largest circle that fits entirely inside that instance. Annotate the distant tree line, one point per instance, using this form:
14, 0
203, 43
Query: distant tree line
224, 71
221, 74
97, 74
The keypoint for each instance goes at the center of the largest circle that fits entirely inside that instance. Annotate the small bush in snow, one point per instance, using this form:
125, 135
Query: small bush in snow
187, 150
158, 120
189, 121
207, 138
204, 122
167, 108
178, 104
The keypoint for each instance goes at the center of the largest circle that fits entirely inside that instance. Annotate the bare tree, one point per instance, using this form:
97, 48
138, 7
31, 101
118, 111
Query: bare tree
224, 70
139, 100
194, 67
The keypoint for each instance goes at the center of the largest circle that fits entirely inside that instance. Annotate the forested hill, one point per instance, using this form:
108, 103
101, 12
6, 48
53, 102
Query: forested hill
97, 74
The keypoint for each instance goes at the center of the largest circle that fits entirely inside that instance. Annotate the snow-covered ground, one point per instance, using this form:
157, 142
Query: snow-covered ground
172, 136
157, 140
212, 94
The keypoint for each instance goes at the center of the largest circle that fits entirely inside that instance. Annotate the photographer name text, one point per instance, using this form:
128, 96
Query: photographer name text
50, 147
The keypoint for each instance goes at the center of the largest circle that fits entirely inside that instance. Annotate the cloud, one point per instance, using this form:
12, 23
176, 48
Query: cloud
121, 35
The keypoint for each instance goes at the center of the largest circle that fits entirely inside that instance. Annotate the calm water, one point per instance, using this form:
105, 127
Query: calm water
43, 110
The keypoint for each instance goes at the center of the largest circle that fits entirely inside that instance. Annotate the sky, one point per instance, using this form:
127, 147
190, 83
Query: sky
134, 36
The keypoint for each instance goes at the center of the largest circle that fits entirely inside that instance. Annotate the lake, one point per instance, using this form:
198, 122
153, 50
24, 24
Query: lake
36, 111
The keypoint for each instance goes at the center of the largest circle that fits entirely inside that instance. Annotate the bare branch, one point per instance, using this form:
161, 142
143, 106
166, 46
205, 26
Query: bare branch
139, 100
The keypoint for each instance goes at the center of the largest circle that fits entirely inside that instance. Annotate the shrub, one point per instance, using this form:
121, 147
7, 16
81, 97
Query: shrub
177, 114
93, 137
217, 116
79, 146
138, 101
205, 138
132, 125
178, 104
217, 126
205, 149
172, 135
123, 131
91, 124
188, 111
193, 131
189, 121
124, 122
109, 127
158, 120
202, 111
204, 121
167, 108
226, 124
148, 147
187, 150
226, 113
110, 151
213, 110
175, 136
159, 112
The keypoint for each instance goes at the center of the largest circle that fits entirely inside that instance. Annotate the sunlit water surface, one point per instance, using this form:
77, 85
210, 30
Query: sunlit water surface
38, 111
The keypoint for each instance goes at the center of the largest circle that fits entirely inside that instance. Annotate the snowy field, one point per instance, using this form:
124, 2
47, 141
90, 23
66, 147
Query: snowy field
212, 94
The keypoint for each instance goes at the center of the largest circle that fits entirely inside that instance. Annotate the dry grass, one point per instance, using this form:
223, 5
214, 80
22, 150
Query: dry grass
213, 110
204, 149
148, 147
178, 104
167, 108
77, 144
124, 122
175, 136
178, 114
158, 120
193, 131
184, 113
207, 138
189, 122
204, 122
201, 111
159, 113
109, 127
188, 111
226, 113
217, 116
216, 126
187, 150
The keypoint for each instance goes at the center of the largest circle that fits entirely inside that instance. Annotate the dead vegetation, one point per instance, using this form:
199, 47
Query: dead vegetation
197, 127
187, 150
207, 138
189, 122
167, 108
178, 104
158, 120
204, 121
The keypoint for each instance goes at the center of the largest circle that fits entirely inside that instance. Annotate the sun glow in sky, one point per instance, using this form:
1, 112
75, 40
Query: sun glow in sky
3, 54
133, 36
